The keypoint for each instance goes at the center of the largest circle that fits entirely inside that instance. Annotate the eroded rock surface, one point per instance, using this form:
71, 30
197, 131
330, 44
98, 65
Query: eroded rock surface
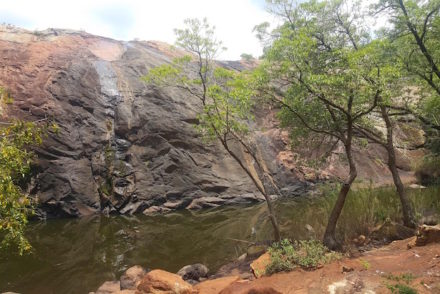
122, 147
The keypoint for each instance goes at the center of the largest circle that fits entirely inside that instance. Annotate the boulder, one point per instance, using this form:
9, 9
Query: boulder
215, 285
132, 277
427, 234
109, 287
193, 272
259, 265
391, 231
163, 282
256, 250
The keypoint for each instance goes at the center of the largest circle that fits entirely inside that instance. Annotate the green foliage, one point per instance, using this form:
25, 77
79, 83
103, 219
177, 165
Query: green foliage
428, 170
15, 162
226, 95
401, 289
365, 264
15, 167
406, 277
247, 57
330, 69
414, 36
286, 255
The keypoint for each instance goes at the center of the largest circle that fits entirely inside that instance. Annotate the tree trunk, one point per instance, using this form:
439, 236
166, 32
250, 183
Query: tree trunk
330, 232
407, 208
273, 220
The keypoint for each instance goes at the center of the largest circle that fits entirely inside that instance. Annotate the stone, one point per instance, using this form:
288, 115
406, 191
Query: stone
242, 257
215, 285
361, 240
427, 234
255, 250
391, 231
346, 269
193, 272
259, 265
109, 287
163, 282
132, 277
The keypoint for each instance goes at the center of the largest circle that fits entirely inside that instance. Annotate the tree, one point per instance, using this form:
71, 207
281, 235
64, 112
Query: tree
15, 166
247, 57
322, 64
415, 34
384, 55
225, 97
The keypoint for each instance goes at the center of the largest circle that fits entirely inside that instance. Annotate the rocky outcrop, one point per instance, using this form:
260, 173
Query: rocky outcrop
122, 147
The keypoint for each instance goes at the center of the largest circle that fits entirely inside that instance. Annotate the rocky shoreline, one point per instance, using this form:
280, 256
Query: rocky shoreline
414, 262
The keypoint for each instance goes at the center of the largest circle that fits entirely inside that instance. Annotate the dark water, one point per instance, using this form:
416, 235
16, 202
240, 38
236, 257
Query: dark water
77, 255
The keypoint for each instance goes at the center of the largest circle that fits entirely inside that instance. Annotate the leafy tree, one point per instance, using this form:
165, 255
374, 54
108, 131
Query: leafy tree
321, 61
225, 98
247, 57
415, 35
383, 54
15, 162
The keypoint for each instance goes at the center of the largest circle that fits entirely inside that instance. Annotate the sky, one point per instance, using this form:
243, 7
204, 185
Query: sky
144, 19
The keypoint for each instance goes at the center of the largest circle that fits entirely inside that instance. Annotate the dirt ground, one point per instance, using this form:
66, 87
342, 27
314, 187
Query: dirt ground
375, 271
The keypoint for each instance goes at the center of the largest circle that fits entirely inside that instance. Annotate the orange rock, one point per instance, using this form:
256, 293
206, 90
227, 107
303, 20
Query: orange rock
109, 287
216, 285
163, 282
132, 277
428, 234
259, 265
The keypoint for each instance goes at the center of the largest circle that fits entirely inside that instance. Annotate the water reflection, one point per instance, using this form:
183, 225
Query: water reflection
77, 255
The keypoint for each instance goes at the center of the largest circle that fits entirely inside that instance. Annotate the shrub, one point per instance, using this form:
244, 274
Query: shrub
428, 170
401, 289
287, 255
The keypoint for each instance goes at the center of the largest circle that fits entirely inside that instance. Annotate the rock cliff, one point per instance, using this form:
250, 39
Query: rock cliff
123, 147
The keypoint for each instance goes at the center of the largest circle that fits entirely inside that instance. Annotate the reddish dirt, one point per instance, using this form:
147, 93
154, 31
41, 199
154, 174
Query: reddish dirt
368, 273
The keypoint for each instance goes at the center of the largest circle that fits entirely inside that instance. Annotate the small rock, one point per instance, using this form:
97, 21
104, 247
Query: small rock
193, 272
132, 277
415, 186
310, 229
360, 241
256, 250
155, 210
391, 231
242, 257
109, 287
259, 265
346, 269
159, 281
427, 234
215, 285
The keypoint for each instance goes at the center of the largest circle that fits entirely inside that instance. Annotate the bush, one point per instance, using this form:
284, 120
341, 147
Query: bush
287, 255
428, 170
401, 289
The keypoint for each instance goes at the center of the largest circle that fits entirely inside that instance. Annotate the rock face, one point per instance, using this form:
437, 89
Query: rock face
122, 147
